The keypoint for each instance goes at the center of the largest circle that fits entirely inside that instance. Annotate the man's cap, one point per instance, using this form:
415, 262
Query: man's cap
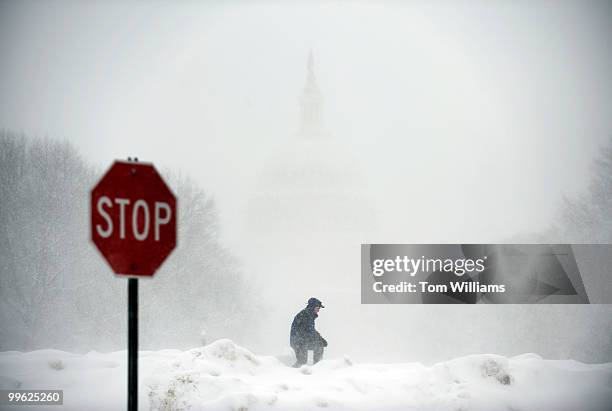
315, 302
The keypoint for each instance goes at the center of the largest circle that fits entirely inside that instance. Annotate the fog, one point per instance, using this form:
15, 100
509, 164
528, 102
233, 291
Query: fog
454, 122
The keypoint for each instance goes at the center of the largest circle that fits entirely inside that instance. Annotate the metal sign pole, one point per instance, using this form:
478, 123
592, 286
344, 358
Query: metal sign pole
133, 340
133, 344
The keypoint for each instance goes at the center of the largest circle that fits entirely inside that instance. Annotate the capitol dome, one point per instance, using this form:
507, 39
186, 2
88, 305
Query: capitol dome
311, 186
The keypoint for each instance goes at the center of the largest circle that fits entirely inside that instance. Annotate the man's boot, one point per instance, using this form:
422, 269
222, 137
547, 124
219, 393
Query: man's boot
317, 354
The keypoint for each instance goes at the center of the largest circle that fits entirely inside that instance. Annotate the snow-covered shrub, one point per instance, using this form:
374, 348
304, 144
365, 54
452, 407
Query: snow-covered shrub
492, 368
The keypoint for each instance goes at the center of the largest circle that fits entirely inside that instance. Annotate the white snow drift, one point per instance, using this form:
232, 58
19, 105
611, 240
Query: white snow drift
225, 376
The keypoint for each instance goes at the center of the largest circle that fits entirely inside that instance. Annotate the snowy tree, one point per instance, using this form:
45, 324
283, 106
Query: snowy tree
40, 189
202, 281
56, 291
588, 219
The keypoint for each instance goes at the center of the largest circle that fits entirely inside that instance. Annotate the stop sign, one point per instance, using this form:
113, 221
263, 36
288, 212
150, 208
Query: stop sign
133, 218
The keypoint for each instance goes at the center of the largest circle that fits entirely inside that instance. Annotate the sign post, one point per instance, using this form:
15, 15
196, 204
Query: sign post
133, 225
132, 344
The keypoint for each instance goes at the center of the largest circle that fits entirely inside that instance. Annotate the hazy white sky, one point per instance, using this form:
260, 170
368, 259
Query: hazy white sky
495, 107
468, 121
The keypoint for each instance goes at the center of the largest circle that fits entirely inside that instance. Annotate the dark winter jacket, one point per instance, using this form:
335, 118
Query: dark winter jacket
303, 331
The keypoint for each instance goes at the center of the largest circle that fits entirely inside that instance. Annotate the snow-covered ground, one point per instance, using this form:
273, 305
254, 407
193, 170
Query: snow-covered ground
225, 376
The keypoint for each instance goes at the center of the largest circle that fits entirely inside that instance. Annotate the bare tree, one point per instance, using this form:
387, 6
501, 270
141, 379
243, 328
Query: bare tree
55, 291
40, 189
588, 219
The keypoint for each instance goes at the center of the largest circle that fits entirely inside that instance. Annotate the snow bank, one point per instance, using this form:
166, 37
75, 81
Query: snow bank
225, 376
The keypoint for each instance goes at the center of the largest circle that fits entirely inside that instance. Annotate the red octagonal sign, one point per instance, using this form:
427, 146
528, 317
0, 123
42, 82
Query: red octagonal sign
133, 218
